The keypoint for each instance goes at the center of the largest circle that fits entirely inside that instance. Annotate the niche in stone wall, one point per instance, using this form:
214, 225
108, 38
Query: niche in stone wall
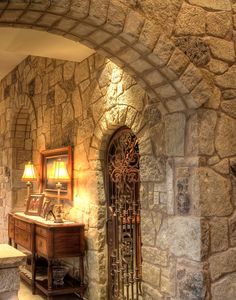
22, 145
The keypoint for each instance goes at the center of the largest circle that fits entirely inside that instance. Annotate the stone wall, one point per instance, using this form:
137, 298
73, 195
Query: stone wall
183, 54
56, 103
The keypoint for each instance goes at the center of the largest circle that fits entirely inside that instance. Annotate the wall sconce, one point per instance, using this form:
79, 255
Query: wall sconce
59, 174
29, 175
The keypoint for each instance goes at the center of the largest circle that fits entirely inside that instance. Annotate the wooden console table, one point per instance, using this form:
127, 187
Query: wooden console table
51, 241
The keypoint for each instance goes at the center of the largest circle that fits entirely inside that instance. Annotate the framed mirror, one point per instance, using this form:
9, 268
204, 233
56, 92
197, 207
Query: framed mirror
47, 186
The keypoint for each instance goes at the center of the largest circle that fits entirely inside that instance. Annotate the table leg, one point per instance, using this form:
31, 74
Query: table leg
33, 270
50, 274
81, 270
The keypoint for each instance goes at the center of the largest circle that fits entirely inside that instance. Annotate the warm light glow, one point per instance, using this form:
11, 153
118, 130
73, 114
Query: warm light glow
29, 173
59, 171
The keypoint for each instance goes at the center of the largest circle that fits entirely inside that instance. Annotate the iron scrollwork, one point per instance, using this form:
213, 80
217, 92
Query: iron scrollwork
124, 246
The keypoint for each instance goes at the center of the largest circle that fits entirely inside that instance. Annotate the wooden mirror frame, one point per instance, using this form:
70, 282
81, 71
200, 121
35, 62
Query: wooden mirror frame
49, 188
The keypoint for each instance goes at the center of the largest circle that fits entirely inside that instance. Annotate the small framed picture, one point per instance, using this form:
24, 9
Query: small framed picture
45, 207
34, 204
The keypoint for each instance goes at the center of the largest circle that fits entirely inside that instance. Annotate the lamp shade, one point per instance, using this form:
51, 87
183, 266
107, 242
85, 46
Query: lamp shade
29, 172
59, 172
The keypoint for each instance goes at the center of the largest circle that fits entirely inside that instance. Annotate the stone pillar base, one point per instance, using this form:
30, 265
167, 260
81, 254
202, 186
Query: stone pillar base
9, 296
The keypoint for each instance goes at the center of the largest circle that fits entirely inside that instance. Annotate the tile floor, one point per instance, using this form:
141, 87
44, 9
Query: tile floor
26, 294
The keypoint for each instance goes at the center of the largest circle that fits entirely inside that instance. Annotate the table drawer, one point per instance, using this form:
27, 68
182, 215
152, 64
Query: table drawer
23, 238
41, 231
41, 245
23, 225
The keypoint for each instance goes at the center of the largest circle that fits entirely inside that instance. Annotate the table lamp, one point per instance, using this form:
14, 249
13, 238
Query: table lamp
29, 175
59, 174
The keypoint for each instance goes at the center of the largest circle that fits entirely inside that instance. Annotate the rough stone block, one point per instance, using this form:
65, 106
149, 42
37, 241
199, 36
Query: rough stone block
150, 34
228, 80
210, 192
217, 66
175, 105
98, 11
155, 256
201, 93
83, 30
166, 91
99, 37
148, 229
182, 236
141, 65
114, 45
133, 26
226, 136
48, 20
115, 17
191, 77
232, 230
219, 24
151, 274
222, 263
30, 17
129, 55
219, 234
191, 20
200, 133
79, 9
134, 97
178, 62
221, 49
222, 167
164, 49
154, 78
10, 15
213, 4
175, 134
224, 289
151, 293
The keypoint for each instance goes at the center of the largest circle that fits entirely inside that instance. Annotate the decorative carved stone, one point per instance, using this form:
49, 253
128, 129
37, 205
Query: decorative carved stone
51, 98
195, 48
183, 200
31, 88
190, 283
13, 77
7, 91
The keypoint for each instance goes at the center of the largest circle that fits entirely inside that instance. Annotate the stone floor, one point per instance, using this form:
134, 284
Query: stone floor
26, 294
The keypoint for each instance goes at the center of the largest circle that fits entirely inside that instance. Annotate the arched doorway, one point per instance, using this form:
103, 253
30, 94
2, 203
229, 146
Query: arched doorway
123, 211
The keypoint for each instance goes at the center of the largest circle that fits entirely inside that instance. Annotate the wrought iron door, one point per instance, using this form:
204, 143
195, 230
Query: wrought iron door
123, 210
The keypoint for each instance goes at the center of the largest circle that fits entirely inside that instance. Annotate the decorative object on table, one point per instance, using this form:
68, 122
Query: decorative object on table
59, 273
29, 176
59, 174
34, 204
47, 185
45, 207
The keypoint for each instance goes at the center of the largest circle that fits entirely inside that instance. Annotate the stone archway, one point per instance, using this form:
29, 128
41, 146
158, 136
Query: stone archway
124, 36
